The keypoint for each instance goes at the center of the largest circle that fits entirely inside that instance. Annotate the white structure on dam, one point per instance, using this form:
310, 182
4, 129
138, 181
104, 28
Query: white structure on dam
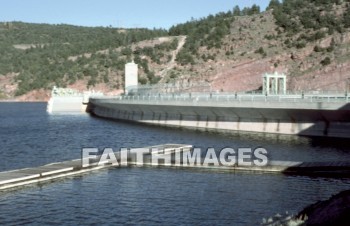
274, 83
65, 100
131, 76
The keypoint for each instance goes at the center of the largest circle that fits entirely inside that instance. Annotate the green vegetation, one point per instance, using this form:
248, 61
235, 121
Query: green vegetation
313, 18
41, 53
2, 95
207, 32
261, 51
326, 61
156, 53
246, 11
329, 49
204, 32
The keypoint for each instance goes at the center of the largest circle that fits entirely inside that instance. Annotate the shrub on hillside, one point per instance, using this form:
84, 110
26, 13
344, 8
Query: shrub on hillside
326, 61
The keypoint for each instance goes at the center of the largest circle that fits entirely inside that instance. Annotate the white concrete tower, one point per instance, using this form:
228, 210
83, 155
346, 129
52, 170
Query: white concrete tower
131, 76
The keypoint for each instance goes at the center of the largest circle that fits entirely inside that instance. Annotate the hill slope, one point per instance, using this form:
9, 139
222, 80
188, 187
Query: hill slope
307, 40
38, 56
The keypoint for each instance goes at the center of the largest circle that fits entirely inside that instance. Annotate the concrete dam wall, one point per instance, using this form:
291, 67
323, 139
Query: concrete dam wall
330, 119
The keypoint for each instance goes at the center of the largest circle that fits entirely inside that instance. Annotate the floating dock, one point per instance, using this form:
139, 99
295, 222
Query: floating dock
21, 177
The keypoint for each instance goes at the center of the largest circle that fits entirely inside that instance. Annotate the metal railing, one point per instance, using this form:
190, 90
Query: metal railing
237, 97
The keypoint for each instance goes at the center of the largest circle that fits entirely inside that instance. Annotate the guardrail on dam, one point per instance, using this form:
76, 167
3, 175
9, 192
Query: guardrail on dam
305, 114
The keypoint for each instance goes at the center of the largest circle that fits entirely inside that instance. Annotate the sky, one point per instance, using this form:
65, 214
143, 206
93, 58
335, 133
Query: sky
117, 13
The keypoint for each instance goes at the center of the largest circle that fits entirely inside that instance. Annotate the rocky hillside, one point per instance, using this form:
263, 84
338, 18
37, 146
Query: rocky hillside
307, 40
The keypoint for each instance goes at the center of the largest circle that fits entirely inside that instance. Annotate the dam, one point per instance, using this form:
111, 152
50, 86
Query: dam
325, 115
271, 111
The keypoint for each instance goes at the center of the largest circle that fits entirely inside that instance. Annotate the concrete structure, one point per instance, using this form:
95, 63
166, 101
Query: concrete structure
131, 76
73, 104
258, 114
21, 177
65, 100
53, 171
274, 83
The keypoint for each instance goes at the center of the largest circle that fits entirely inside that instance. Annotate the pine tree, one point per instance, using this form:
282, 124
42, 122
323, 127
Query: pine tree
236, 11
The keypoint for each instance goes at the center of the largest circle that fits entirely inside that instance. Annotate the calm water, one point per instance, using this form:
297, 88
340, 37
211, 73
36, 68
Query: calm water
149, 196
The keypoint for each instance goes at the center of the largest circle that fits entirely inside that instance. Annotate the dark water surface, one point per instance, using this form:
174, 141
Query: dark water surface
30, 137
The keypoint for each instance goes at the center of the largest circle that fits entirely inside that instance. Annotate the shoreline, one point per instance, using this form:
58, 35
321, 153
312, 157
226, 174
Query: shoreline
22, 101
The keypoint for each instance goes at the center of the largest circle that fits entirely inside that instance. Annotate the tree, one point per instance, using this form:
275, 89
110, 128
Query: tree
274, 4
346, 19
282, 19
326, 61
255, 9
236, 11
261, 51
245, 11
142, 80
